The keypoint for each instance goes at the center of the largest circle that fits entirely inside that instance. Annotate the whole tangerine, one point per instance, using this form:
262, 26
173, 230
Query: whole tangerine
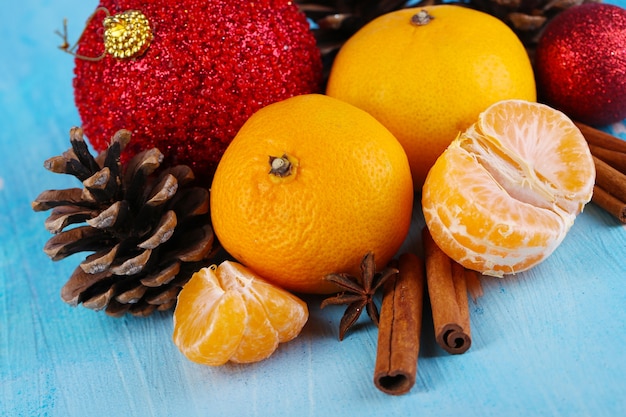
426, 74
306, 188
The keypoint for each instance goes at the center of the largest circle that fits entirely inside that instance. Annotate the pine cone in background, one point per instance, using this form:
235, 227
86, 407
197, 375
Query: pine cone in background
149, 229
527, 18
336, 20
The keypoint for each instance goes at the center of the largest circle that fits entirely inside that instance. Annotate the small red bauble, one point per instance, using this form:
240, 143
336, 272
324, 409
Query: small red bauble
580, 63
193, 72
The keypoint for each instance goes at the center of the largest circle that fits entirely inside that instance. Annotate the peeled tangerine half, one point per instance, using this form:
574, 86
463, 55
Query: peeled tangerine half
503, 195
227, 312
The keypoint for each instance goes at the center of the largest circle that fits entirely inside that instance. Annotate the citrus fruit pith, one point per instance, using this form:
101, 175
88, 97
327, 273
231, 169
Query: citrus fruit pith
227, 312
503, 195
308, 186
428, 82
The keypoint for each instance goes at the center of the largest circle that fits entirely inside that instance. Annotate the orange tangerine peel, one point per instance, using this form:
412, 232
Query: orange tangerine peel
504, 194
229, 313
427, 72
308, 186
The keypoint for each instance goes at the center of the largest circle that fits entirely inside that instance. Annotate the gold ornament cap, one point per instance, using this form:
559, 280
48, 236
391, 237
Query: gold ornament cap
127, 34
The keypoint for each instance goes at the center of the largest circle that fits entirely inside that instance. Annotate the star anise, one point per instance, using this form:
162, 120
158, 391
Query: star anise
358, 293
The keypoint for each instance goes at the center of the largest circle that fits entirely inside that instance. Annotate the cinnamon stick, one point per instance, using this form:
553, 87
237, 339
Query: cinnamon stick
610, 179
614, 158
609, 203
400, 327
450, 318
609, 157
601, 139
460, 290
474, 286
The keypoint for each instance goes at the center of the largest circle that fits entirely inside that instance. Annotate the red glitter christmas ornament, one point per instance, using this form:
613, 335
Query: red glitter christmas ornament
580, 63
184, 75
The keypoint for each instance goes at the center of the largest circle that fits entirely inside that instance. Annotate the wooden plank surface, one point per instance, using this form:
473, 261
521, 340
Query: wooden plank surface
548, 342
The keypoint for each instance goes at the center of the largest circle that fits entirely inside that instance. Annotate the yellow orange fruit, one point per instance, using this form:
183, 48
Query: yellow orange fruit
426, 83
348, 192
503, 195
228, 312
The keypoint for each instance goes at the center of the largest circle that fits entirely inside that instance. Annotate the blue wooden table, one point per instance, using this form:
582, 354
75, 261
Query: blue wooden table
548, 342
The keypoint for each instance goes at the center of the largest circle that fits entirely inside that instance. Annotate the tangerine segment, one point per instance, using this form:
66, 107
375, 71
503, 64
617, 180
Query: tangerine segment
285, 312
550, 150
275, 315
209, 322
503, 195
260, 339
221, 315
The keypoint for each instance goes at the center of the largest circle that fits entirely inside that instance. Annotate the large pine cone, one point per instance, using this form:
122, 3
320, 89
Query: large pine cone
148, 229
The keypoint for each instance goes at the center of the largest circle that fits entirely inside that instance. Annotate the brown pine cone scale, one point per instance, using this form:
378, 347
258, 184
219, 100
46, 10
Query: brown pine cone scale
147, 226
